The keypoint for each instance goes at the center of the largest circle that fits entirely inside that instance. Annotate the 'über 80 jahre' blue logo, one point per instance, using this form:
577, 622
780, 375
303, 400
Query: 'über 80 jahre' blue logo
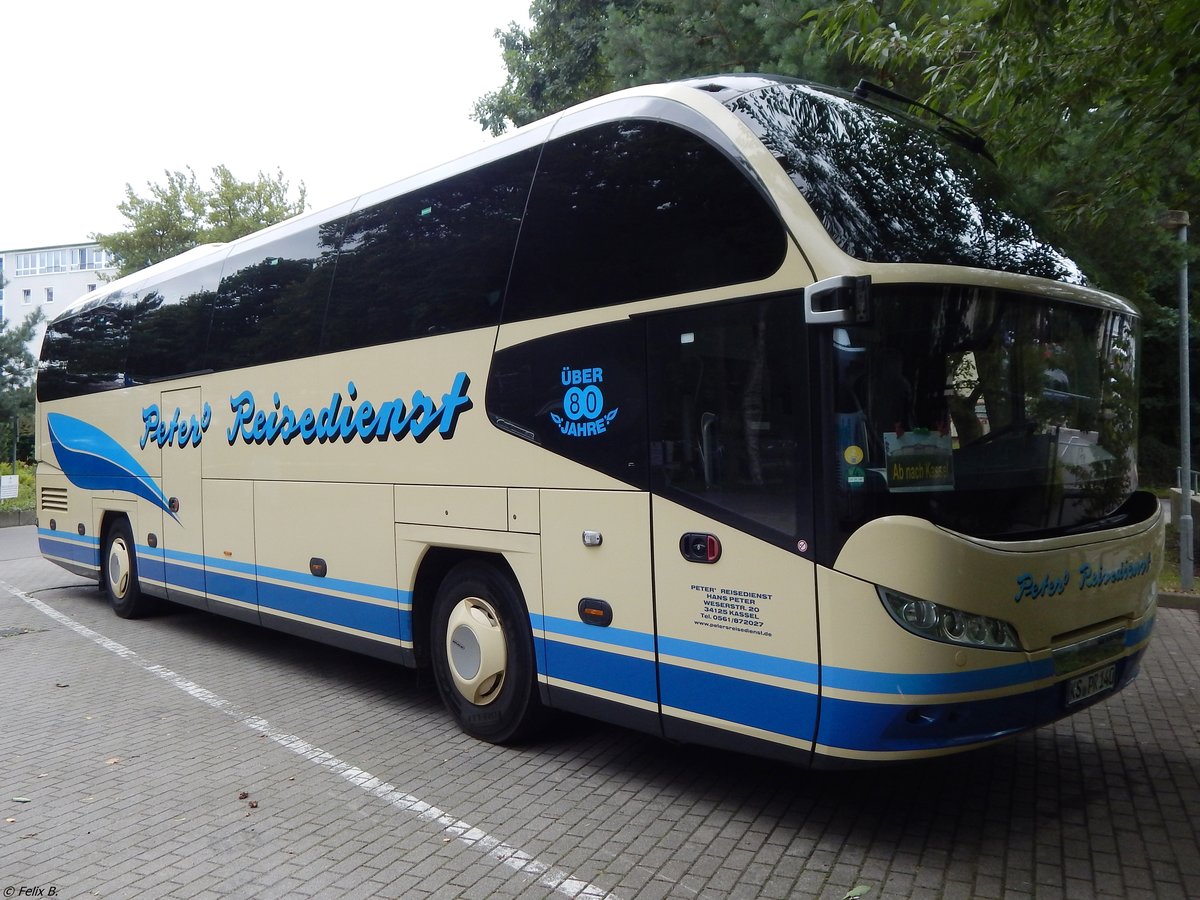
583, 404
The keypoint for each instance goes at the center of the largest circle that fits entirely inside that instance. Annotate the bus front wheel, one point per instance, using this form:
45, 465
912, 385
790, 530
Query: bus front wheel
120, 573
482, 650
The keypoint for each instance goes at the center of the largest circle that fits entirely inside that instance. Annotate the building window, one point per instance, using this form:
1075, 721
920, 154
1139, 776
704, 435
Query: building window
27, 296
49, 295
91, 287
52, 261
72, 259
87, 258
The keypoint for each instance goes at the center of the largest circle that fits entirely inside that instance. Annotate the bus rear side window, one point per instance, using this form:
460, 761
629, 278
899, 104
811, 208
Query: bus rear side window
637, 209
86, 352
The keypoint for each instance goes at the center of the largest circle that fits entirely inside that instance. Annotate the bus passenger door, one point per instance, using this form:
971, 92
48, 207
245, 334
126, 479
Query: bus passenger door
735, 594
595, 638
183, 527
737, 636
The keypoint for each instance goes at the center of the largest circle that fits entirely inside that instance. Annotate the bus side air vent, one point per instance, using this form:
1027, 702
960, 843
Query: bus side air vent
54, 498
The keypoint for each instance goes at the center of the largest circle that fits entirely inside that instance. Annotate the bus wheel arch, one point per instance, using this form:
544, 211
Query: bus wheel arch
481, 648
119, 568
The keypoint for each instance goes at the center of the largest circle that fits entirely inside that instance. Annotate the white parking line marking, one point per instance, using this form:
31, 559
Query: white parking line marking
512, 857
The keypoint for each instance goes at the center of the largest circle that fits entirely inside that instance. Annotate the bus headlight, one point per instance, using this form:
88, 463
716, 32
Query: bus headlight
951, 626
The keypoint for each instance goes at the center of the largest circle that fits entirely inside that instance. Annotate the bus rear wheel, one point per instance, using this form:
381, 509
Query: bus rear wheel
482, 650
120, 573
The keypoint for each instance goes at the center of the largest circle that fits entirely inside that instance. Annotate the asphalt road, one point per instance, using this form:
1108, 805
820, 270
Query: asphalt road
192, 756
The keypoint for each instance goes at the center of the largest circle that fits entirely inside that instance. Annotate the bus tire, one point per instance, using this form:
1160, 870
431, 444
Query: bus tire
482, 650
120, 573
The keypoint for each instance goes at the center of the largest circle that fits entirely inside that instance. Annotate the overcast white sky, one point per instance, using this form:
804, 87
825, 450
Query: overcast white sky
345, 95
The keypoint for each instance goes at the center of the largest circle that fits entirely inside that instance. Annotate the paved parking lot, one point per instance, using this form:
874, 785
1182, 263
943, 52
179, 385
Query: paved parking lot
192, 756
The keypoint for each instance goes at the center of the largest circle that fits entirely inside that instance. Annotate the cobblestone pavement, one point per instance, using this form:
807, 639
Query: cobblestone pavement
192, 756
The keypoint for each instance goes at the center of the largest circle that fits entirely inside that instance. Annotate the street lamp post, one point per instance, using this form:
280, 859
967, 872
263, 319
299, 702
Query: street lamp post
1178, 219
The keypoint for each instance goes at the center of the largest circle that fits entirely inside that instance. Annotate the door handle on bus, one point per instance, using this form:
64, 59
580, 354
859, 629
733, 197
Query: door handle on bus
700, 547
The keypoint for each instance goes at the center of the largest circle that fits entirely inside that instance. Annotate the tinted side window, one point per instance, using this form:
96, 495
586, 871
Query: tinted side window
727, 414
271, 302
637, 209
431, 261
170, 326
580, 394
86, 352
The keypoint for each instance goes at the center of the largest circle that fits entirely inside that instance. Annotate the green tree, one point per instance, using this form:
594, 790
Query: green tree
556, 63
17, 368
674, 39
577, 49
237, 208
180, 214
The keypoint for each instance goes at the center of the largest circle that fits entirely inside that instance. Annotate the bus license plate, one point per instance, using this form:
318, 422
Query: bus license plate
1091, 684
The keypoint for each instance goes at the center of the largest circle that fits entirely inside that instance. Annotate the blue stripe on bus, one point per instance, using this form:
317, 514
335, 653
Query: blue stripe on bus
374, 591
744, 660
231, 587
184, 578
229, 565
600, 669
383, 620
619, 637
80, 550
764, 706
1135, 636
363, 589
937, 682
233, 580
858, 725
68, 536
151, 565
806, 672
844, 724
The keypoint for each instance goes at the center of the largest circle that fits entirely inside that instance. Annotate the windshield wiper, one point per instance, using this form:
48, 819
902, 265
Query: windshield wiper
963, 135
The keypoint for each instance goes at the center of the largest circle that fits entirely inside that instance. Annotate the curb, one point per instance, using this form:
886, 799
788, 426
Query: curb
13, 517
1173, 600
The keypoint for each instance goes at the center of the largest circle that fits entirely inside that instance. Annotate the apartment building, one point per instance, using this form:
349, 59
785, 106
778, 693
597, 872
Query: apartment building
49, 278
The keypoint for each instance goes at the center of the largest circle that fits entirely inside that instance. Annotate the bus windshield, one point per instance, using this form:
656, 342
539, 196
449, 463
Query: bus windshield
889, 189
988, 412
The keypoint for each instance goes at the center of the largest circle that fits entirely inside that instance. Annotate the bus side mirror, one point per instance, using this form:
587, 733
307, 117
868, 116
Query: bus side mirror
841, 300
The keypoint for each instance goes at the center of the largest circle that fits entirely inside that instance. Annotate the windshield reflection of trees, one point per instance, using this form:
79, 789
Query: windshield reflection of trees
1035, 403
888, 190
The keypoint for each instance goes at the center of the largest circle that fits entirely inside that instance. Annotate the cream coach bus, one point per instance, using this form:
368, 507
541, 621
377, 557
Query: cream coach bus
740, 411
